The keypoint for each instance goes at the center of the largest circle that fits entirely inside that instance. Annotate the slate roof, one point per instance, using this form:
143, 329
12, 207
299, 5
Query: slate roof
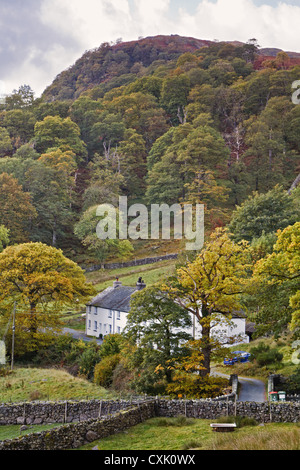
114, 298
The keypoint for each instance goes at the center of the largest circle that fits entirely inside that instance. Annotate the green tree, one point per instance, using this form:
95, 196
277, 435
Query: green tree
21, 98
156, 322
174, 95
5, 142
55, 132
263, 214
16, 209
19, 123
105, 183
50, 183
86, 230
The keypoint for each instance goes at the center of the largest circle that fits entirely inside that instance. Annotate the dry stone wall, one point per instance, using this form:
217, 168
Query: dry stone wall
75, 435
87, 426
59, 412
266, 412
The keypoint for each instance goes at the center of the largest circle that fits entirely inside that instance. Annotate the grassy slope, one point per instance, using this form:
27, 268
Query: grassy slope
43, 384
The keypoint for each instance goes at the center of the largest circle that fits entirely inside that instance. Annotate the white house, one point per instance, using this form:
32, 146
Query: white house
107, 314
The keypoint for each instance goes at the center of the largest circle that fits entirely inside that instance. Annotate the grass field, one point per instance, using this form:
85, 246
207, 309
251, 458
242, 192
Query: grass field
173, 434
151, 273
47, 384
12, 432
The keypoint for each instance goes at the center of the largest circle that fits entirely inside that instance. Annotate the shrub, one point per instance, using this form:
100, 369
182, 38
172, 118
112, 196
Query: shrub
264, 355
87, 361
103, 372
195, 386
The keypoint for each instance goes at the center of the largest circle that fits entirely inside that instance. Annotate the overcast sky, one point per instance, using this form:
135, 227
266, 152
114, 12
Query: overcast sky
41, 38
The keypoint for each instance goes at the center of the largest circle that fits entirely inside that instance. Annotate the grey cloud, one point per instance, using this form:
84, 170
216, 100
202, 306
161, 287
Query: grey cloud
23, 36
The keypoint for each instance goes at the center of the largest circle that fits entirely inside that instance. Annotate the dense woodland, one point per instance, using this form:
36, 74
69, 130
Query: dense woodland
160, 120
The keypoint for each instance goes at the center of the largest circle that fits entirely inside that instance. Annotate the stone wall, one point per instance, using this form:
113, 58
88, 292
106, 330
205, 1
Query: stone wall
59, 412
126, 264
75, 435
210, 409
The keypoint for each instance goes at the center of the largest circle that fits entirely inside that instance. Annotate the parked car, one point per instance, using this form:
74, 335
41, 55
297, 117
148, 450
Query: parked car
238, 356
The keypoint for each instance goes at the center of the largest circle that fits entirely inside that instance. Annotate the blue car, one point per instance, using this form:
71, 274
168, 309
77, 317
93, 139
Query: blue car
239, 356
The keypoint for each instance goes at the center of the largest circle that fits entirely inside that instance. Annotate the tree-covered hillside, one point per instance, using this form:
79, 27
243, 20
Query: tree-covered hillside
161, 120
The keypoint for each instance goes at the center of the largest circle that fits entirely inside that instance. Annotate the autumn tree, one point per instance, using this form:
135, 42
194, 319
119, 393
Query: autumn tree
275, 291
16, 209
210, 286
4, 237
41, 280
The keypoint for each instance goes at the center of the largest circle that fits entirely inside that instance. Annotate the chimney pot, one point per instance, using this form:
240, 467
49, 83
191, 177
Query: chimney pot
117, 283
140, 284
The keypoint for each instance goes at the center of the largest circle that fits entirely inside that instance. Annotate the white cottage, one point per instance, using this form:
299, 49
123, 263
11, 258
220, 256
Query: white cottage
107, 314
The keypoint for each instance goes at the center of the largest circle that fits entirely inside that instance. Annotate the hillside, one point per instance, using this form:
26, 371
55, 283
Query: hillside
165, 119
117, 64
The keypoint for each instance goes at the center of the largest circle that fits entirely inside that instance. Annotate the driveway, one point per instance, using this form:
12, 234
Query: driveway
249, 389
80, 335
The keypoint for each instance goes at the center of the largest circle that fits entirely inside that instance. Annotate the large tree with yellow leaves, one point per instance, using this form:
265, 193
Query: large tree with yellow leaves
211, 285
41, 280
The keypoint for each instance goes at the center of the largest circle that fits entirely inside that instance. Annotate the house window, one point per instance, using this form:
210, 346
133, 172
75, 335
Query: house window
118, 329
118, 315
110, 314
110, 329
90, 323
104, 328
95, 326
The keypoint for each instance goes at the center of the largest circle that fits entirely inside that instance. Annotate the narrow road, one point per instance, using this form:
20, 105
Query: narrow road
249, 389
80, 335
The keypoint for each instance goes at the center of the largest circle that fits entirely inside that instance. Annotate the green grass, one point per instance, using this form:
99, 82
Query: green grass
169, 434
151, 274
48, 384
155, 435
14, 431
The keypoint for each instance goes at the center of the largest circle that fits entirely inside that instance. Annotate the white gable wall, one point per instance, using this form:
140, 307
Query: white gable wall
103, 321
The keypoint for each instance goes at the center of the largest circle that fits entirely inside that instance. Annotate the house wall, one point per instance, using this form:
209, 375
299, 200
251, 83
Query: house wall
102, 321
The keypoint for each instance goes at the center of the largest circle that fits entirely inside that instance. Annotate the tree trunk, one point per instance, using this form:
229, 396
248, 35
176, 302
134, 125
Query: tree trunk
33, 319
206, 350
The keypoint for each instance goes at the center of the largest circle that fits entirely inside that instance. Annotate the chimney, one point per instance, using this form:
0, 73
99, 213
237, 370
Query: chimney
117, 283
140, 284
